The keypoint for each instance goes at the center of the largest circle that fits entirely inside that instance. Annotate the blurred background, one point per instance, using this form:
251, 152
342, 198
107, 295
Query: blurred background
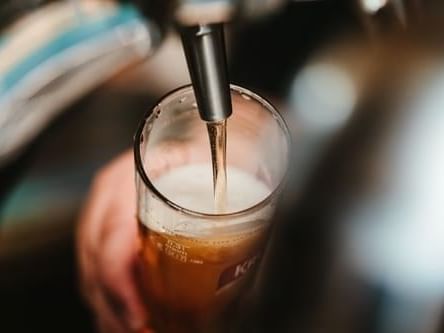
77, 76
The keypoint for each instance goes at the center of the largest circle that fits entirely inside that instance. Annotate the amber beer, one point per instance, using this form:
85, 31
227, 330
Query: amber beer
195, 265
190, 281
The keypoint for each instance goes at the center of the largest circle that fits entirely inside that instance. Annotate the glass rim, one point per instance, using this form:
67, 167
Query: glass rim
140, 169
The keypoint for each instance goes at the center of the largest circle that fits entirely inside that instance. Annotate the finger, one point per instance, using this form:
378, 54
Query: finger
119, 174
87, 241
95, 208
90, 222
107, 319
116, 267
93, 223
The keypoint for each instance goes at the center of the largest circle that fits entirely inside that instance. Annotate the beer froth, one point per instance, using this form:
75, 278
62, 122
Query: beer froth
191, 187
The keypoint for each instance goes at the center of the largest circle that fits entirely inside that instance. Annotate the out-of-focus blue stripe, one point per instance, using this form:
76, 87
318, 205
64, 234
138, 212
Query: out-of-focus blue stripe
86, 30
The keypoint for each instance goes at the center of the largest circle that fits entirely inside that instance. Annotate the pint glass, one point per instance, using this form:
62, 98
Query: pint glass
196, 261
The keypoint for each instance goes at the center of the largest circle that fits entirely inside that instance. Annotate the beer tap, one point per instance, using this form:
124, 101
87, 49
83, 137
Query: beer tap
204, 48
201, 26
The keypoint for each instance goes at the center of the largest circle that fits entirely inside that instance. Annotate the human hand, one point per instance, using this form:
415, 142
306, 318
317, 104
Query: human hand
107, 249
108, 245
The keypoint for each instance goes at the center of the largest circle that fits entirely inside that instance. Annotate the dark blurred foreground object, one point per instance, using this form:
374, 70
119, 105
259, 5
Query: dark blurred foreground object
361, 247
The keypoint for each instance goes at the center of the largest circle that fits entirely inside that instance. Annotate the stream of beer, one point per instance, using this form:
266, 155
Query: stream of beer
217, 133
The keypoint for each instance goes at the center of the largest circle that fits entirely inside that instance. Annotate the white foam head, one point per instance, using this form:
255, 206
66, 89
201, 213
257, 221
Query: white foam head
191, 187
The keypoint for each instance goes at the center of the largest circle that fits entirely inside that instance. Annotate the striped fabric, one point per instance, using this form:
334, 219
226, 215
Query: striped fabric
59, 53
